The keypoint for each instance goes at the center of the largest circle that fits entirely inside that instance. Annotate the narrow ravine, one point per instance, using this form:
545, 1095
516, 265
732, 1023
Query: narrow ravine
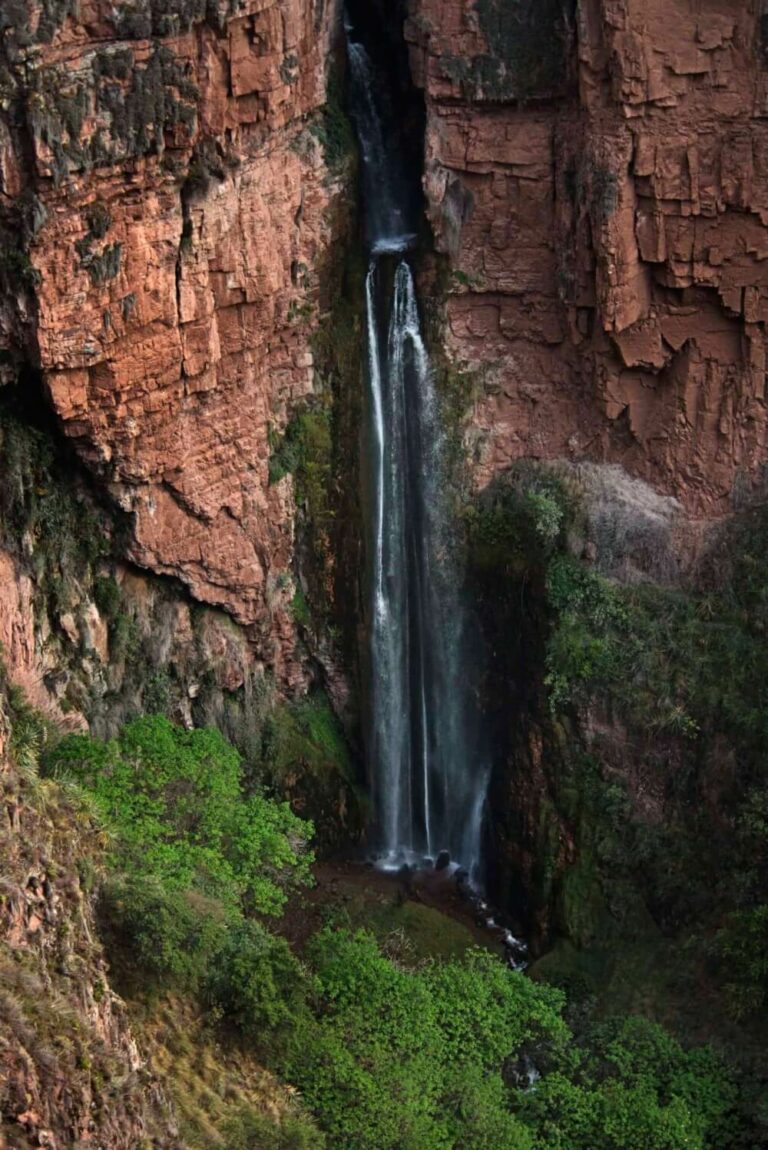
428, 782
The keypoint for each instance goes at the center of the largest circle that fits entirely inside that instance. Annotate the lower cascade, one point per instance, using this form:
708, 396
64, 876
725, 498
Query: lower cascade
428, 785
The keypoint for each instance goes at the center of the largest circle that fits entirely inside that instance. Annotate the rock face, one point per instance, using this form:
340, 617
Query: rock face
71, 1073
596, 174
177, 205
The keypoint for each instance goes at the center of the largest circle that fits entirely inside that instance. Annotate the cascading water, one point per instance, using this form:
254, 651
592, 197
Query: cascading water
428, 790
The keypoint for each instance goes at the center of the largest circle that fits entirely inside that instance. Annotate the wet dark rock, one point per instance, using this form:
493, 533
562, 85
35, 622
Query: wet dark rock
443, 860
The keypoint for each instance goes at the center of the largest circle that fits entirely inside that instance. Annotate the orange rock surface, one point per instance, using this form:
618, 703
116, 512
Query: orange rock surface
606, 227
609, 241
173, 313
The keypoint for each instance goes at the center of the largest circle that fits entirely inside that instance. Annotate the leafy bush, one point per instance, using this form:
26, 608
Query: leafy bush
168, 935
256, 983
414, 1058
742, 947
431, 1059
633, 1087
175, 802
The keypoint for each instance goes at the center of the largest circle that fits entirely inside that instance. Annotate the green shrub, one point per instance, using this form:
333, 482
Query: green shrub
633, 1087
742, 947
175, 802
430, 1059
250, 1131
30, 730
398, 1058
107, 596
257, 984
305, 734
169, 935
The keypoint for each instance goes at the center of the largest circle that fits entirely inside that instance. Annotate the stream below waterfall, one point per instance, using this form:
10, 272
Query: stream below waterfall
428, 782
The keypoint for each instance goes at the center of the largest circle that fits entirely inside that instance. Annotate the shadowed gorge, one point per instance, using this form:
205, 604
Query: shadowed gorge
383, 575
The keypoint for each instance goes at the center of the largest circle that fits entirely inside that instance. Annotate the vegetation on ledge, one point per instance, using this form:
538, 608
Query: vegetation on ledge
388, 1050
651, 702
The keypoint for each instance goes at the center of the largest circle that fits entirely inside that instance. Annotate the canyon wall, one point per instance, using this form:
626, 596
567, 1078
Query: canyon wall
594, 176
176, 200
596, 181
597, 176
167, 206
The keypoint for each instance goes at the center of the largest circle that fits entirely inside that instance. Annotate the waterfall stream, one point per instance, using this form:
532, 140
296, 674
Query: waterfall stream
428, 788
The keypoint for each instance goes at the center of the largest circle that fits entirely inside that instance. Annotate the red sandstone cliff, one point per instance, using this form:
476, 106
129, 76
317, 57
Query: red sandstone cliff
178, 202
608, 231
595, 173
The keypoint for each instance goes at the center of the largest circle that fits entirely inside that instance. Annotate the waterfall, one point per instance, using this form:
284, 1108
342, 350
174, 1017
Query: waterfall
428, 789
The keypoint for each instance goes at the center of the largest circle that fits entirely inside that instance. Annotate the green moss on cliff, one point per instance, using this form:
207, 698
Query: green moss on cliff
639, 740
306, 756
527, 51
47, 518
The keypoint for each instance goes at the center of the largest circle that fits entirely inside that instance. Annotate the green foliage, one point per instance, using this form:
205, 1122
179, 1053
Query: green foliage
333, 129
632, 1087
585, 647
300, 609
680, 665
683, 663
175, 802
414, 1058
303, 752
257, 984
669, 809
107, 596
519, 524
30, 730
155, 931
430, 1059
376, 1041
306, 451
304, 735
16, 268
742, 947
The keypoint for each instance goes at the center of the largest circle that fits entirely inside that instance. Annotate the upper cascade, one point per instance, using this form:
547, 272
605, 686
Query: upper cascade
389, 225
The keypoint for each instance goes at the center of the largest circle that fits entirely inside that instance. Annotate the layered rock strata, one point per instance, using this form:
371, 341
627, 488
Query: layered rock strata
596, 175
176, 202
